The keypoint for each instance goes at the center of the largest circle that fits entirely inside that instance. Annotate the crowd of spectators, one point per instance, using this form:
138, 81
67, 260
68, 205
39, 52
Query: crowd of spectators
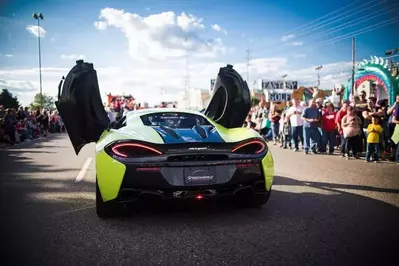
361, 126
120, 105
24, 125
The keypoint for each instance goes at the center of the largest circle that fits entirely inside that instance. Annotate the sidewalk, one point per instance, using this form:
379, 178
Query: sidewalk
33, 141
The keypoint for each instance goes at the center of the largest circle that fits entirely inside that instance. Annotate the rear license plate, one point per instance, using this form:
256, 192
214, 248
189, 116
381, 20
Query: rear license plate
199, 175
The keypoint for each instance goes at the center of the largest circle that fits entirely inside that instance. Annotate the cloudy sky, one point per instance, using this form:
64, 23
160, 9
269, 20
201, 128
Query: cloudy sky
141, 47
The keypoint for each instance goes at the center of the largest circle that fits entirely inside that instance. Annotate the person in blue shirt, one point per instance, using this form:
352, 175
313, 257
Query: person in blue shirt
311, 134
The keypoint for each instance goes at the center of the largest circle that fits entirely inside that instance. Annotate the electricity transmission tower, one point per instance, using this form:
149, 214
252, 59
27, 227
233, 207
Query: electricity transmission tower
248, 51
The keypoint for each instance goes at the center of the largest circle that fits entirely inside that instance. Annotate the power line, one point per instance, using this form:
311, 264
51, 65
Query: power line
346, 36
360, 20
309, 23
341, 16
391, 56
361, 31
277, 47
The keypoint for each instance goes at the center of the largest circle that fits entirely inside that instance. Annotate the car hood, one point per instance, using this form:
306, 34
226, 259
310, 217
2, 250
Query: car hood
197, 133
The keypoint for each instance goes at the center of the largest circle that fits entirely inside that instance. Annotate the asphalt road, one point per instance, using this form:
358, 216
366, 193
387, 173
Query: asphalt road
324, 210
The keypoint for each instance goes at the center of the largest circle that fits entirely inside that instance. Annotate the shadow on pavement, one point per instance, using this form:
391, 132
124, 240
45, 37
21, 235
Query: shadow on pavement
53, 221
332, 186
30, 194
20, 159
36, 142
14, 162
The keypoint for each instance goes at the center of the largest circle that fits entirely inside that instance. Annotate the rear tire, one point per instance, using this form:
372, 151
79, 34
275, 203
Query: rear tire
251, 201
260, 200
103, 209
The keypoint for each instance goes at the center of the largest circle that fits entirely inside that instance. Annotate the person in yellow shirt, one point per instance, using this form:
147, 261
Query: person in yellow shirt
373, 138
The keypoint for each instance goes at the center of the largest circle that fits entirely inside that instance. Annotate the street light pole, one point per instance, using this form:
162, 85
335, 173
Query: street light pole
318, 75
353, 65
38, 17
284, 84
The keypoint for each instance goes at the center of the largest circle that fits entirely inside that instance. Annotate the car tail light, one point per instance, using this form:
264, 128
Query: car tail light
148, 169
132, 150
250, 147
245, 165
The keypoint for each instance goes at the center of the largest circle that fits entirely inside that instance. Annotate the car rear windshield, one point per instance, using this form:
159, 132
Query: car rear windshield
174, 120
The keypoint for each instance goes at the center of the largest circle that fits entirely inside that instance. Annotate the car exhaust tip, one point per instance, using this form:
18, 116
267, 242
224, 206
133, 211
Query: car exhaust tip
150, 197
129, 195
244, 191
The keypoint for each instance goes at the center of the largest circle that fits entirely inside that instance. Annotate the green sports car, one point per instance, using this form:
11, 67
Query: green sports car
169, 153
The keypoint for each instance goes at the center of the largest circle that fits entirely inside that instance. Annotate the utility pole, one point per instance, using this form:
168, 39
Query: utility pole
38, 17
318, 75
187, 81
248, 51
353, 65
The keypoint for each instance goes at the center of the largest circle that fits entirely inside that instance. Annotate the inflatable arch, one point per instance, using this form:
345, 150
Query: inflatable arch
375, 70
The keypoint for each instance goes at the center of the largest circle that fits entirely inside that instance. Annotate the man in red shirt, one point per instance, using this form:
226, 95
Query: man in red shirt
341, 113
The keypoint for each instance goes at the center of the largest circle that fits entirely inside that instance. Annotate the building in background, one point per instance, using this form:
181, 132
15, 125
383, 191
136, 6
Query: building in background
197, 99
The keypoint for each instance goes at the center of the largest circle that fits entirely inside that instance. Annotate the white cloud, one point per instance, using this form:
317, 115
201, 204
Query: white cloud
161, 36
145, 81
158, 45
34, 29
295, 43
299, 55
9, 55
287, 37
216, 27
72, 57
100, 25
17, 85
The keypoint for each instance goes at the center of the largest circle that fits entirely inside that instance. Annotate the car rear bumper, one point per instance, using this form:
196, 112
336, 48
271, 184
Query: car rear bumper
129, 182
127, 195
171, 182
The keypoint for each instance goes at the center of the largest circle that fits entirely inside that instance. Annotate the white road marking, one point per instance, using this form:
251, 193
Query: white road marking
83, 171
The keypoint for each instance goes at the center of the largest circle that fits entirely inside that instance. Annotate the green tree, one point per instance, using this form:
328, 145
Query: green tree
48, 102
8, 100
